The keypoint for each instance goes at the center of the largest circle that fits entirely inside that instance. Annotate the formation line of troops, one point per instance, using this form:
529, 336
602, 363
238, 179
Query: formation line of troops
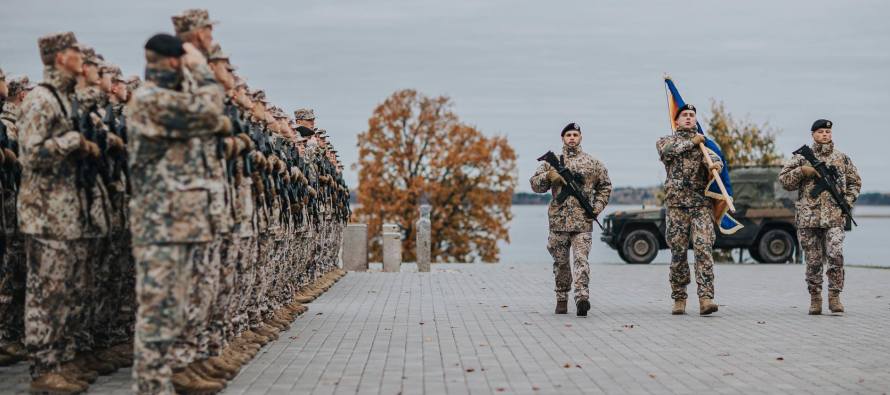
820, 220
174, 225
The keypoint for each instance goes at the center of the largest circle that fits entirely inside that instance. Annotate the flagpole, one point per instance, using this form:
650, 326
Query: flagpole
704, 151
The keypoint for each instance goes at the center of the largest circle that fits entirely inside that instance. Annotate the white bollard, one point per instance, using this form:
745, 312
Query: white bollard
424, 239
355, 248
392, 248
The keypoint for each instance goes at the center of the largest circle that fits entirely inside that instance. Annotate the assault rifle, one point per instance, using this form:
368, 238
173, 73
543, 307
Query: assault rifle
572, 186
119, 128
827, 181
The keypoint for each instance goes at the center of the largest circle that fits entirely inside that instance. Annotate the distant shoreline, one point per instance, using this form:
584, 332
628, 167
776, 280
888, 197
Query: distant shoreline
647, 196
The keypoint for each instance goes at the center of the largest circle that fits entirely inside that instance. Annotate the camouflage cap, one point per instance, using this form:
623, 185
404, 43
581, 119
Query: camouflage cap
322, 133
305, 114
133, 82
240, 82
259, 95
50, 44
192, 19
277, 112
90, 55
19, 84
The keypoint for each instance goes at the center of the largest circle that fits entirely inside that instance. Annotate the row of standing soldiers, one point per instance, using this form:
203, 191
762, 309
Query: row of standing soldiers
175, 225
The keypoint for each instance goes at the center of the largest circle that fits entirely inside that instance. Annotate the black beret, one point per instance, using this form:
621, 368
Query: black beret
820, 124
685, 107
571, 126
304, 131
165, 45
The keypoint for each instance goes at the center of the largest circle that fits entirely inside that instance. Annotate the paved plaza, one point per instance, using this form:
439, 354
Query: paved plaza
491, 329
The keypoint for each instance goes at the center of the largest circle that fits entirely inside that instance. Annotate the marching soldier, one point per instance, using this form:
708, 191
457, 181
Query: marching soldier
689, 211
570, 229
820, 221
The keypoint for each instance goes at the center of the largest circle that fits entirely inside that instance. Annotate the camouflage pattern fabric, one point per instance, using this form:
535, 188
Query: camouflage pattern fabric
162, 284
823, 247
686, 168
821, 211
559, 244
695, 226
56, 270
596, 185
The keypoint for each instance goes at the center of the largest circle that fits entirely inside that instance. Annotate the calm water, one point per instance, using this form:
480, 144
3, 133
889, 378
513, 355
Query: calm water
865, 245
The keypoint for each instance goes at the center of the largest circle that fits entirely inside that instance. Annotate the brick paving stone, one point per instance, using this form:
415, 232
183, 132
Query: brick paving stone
480, 329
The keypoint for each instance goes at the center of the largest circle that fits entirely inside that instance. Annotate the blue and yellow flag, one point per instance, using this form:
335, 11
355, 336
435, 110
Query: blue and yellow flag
725, 222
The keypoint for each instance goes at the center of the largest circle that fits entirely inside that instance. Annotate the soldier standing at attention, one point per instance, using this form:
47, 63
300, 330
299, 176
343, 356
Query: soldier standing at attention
53, 214
569, 226
170, 222
689, 211
12, 267
820, 222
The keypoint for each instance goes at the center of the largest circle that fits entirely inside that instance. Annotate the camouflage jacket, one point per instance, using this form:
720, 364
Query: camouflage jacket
822, 211
217, 181
596, 185
50, 203
687, 170
171, 191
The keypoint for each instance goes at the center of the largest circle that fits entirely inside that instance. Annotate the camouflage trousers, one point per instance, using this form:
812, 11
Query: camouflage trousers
57, 285
821, 246
695, 225
203, 279
13, 275
559, 244
219, 309
106, 326
246, 269
259, 303
163, 278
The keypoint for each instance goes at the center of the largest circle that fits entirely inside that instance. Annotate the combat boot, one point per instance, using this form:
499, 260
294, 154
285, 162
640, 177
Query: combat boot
582, 306
562, 307
223, 365
114, 358
253, 337
8, 360
16, 349
187, 382
706, 306
815, 304
304, 298
92, 362
834, 302
55, 383
199, 373
679, 307
80, 373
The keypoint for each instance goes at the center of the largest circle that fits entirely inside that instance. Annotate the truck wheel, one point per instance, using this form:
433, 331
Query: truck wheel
775, 246
640, 246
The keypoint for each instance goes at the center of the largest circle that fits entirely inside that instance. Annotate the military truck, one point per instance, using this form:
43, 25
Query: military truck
762, 206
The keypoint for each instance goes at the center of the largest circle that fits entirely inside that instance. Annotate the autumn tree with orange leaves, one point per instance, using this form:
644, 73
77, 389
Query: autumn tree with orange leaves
417, 149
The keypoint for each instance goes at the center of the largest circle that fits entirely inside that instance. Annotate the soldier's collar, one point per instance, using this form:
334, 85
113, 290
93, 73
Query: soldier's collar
59, 80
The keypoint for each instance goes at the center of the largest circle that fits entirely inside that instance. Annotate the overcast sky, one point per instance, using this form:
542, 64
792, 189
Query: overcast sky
525, 69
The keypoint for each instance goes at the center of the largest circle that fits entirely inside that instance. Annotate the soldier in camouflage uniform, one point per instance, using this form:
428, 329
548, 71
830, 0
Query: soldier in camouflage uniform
194, 26
689, 211
570, 229
171, 222
59, 223
92, 333
13, 271
122, 304
820, 222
